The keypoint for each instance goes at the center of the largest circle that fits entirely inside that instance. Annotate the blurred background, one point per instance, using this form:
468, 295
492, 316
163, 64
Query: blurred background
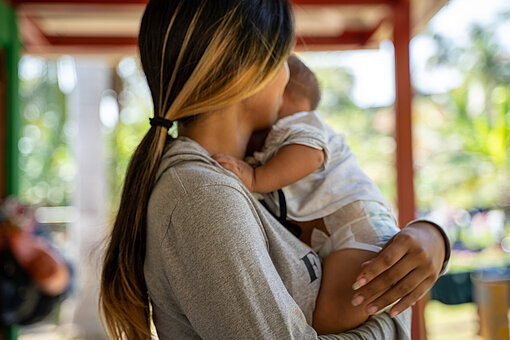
82, 105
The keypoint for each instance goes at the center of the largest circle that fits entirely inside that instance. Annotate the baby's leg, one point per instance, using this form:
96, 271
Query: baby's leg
334, 311
357, 232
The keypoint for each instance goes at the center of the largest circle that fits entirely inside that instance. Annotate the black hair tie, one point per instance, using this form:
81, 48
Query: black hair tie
160, 121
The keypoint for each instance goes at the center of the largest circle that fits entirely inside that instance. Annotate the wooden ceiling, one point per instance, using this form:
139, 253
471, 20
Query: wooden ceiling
111, 26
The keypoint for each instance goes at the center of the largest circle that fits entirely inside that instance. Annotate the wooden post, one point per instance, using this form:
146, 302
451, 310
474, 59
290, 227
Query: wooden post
404, 136
403, 99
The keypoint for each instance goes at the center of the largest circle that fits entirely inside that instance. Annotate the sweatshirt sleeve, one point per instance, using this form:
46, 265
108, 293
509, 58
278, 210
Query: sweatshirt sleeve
380, 326
223, 278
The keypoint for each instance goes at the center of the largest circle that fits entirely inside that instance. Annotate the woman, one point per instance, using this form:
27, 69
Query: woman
190, 246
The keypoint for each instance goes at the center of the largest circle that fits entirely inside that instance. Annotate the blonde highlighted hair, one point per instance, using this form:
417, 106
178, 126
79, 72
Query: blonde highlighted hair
198, 56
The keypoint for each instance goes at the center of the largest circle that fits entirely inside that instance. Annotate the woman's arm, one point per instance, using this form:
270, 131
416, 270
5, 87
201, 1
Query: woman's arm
406, 268
292, 163
333, 311
224, 280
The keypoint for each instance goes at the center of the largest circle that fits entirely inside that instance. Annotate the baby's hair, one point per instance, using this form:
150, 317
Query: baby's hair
302, 82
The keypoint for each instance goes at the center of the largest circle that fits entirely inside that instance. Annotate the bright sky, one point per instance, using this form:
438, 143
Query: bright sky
373, 69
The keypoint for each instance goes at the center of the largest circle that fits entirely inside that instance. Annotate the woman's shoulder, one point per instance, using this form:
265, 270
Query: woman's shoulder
187, 168
188, 182
191, 177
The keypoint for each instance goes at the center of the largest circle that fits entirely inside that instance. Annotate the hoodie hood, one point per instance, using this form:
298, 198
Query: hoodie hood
184, 149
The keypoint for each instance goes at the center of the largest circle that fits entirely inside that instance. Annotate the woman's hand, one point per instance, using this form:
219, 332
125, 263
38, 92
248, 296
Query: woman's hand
405, 269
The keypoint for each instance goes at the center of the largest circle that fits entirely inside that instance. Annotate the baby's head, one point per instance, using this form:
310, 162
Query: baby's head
302, 92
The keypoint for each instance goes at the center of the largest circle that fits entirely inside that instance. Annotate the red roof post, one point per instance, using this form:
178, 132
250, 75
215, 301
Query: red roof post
403, 99
404, 136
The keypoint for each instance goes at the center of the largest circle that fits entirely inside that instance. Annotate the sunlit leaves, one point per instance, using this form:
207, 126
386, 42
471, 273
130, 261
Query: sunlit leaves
47, 168
473, 158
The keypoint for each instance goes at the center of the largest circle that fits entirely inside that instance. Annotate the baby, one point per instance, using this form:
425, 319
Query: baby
321, 180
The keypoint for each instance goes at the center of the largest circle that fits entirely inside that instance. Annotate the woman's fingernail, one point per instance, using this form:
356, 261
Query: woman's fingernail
394, 313
358, 300
372, 310
360, 283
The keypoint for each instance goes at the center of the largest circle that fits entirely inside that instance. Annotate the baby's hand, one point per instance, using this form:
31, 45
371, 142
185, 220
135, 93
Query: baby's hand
240, 168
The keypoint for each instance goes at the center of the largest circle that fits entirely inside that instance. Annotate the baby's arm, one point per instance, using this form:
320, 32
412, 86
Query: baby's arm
292, 163
334, 311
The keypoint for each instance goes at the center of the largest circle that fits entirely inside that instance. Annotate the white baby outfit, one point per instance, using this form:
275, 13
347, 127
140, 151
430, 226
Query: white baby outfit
354, 211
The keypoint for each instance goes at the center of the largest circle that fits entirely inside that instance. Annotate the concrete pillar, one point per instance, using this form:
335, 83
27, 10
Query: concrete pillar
93, 76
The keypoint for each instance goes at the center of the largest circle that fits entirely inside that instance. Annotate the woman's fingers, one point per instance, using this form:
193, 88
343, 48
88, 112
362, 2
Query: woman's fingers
379, 287
409, 300
407, 266
404, 287
406, 279
388, 257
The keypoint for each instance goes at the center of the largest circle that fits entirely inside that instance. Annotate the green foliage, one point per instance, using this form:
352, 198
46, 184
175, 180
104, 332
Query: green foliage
470, 148
121, 141
462, 138
46, 164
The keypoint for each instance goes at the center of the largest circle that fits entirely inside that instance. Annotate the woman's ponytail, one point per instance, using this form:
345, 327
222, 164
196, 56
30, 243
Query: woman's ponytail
124, 299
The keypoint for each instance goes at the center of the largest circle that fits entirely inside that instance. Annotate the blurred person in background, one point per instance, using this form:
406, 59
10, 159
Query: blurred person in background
34, 276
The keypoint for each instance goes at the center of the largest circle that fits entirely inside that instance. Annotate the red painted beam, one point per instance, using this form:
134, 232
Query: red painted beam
92, 41
63, 44
346, 38
342, 2
351, 38
137, 2
78, 2
31, 32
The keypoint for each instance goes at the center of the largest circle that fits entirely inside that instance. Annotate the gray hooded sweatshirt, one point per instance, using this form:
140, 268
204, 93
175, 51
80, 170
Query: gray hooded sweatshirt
219, 266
